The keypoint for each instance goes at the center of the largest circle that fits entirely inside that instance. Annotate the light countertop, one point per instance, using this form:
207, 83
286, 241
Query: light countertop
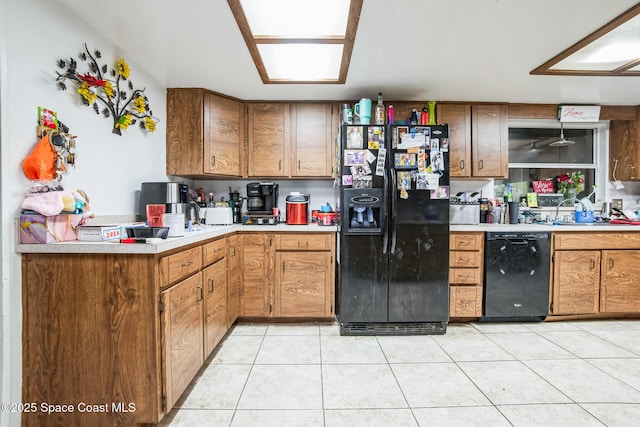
595, 227
202, 233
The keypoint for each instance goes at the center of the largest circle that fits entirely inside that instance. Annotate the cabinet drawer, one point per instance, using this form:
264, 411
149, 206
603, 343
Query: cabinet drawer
304, 242
465, 301
466, 241
598, 240
464, 259
464, 276
181, 265
214, 251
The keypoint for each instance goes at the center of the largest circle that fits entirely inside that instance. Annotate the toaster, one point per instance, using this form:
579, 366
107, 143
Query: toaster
218, 216
464, 213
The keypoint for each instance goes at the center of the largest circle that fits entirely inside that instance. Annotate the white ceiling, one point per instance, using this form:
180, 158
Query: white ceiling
454, 50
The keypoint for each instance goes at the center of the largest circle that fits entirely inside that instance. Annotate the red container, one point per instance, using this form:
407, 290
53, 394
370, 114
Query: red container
298, 209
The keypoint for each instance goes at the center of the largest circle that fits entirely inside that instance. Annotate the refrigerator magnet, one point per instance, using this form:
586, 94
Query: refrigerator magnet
444, 144
380, 164
435, 144
404, 181
441, 192
355, 137
362, 181
422, 161
404, 160
360, 170
409, 140
355, 157
437, 162
347, 180
370, 157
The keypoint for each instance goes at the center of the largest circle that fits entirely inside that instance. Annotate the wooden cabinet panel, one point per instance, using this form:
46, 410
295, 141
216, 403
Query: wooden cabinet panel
458, 117
234, 255
598, 240
465, 259
215, 305
461, 276
490, 136
223, 135
465, 301
205, 134
620, 290
466, 241
269, 129
257, 276
304, 241
213, 251
624, 148
303, 281
181, 264
313, 128
576, 286
183, 332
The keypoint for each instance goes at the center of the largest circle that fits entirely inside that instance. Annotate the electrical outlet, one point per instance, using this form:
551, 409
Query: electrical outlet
616, 203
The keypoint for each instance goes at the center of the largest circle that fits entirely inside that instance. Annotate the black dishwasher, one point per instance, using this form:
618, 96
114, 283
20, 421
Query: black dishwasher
516, 281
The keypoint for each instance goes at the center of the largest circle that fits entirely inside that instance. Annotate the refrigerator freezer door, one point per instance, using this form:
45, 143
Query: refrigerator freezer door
364, 277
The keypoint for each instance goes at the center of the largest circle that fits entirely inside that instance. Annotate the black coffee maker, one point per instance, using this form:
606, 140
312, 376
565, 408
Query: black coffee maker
235, 203
262, 197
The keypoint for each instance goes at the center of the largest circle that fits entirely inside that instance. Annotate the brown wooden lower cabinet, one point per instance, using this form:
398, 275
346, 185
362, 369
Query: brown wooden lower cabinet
288, 275
596, 273
119, 330
234, 255
465, 274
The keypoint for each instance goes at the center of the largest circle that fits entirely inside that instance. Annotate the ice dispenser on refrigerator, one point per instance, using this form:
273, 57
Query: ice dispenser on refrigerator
364, 211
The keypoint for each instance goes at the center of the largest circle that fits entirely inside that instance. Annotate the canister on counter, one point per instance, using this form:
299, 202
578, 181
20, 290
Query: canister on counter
484, 209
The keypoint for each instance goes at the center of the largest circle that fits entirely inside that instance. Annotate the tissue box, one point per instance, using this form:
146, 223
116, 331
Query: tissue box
49, 229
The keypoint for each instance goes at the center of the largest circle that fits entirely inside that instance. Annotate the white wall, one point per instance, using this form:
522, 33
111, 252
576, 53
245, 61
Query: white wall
34, 34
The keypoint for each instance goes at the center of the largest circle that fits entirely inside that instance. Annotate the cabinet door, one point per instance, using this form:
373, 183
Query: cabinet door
576, 282
215, 305
269, 139
458, 117
624, 150
257, 275
620, 291
490, 136
223, 135
184, 145
303, 281
182, 327
313, 129
233, 278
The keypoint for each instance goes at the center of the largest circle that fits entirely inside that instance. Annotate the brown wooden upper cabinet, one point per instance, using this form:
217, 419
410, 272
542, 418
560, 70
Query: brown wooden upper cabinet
205, 134
478, 139
291, 140
269, 139
624, 149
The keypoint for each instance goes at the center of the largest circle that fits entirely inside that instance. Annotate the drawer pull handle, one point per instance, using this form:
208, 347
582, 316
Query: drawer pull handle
461, 164
213, 160
610, 262
187, 264
464, 242
481, 163
210, 289
302, 244
593, 264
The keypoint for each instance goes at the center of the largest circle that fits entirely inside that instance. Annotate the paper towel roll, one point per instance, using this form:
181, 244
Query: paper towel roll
175, 222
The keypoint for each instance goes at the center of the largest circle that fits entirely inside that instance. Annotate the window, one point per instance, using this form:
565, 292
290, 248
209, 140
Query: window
531, 157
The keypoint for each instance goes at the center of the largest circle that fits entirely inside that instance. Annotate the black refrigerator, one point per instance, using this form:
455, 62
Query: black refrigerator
394, 230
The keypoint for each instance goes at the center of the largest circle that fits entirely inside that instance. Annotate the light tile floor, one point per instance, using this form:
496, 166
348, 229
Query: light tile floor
578, 373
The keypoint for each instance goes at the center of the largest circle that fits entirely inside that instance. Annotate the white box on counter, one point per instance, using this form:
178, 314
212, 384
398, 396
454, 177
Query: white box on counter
97, 233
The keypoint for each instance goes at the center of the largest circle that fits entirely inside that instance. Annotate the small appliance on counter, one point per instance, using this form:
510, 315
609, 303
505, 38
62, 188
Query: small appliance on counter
219, 216
464, 208
235, 203
173, 195
262, 203
297, 208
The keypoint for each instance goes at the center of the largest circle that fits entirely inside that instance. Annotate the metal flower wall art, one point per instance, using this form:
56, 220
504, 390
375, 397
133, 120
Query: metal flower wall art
108, 90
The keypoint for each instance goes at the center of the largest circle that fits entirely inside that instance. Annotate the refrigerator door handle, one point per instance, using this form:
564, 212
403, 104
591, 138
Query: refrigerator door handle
385, 237
392, 222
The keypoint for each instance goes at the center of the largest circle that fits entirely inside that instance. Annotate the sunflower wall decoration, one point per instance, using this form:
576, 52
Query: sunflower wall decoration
108, 90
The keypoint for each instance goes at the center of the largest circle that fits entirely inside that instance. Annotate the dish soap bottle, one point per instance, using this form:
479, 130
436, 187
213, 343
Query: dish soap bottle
379, 112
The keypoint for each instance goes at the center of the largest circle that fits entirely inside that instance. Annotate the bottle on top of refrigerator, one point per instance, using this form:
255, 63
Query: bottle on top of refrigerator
380, 111
390, 114
414, 117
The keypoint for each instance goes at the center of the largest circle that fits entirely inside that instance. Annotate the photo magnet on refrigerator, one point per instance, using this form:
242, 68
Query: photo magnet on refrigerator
382, 155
